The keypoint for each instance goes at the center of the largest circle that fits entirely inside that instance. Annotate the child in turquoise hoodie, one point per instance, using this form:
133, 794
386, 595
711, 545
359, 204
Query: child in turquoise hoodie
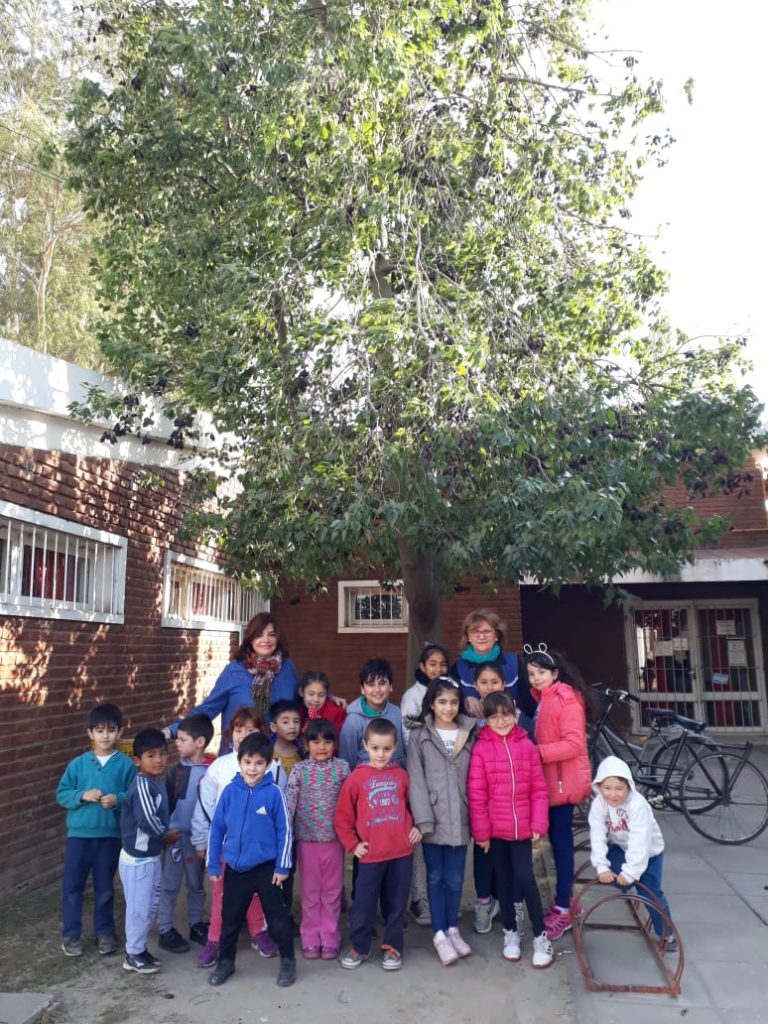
92, 789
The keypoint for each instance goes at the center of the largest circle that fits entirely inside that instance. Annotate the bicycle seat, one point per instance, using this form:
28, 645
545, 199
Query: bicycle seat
665, 715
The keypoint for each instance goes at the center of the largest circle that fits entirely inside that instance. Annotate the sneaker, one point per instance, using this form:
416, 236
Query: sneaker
310, 952
72, 947
264, 944
106, 944
462, 948
558, 924
287, 973
223, 970
392, 960
421, 912
152, 959
667, 943
445, 949
141, 963
199, 933
543, 954
484, 915
172, 942
329, 953
208, 955
353, 959
511, 945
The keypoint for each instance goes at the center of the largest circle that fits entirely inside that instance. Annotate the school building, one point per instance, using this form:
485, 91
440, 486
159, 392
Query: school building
101, 601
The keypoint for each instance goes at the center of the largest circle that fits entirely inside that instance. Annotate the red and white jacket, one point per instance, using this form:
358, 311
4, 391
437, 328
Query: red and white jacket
505, 787
561, 736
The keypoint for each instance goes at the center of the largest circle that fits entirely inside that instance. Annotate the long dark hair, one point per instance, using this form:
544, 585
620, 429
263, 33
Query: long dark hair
547, 657
441, 684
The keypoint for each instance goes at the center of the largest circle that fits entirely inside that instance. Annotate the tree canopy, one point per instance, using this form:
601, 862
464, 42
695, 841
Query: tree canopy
384, 244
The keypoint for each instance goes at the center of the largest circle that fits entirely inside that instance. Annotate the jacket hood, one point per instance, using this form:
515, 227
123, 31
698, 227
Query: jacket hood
356, 708
267, 782
612, 767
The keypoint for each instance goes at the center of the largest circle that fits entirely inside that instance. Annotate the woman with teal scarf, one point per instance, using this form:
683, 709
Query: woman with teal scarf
482, 641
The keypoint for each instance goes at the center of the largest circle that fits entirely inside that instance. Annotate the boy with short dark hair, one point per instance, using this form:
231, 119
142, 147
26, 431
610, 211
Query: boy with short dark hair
144, 824
374, 702
180, 860
285, 728
92, 789
374, 824
251, 823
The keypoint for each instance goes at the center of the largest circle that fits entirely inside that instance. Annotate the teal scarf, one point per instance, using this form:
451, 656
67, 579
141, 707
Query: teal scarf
471, 655
370, 712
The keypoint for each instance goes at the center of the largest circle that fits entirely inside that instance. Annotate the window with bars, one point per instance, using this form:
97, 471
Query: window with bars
369, 606
53, 568
198, 595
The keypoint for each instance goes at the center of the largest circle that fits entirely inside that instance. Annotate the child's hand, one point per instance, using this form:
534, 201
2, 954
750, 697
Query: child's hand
474, 707
215, 878
606, 877
91, 796
201, 854
414, 836
484, 846
108, 801
338, 701
171, 837
278, 879
535, 836
623, 880
360, 850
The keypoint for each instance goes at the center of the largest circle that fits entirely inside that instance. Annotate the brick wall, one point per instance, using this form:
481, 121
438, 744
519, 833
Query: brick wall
746, 508
313, 641
53, 671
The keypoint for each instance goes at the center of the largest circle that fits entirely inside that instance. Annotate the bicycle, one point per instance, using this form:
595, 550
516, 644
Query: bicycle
723, 796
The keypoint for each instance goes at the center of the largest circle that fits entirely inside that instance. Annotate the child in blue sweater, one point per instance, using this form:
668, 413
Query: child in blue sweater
251, 830
92, 789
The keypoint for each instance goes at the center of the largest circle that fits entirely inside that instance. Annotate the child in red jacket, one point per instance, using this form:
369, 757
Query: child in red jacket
373, 822
316, 702
507, 810
561, 738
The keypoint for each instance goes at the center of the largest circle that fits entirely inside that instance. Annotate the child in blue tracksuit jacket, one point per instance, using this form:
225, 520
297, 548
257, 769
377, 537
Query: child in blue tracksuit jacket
251, 829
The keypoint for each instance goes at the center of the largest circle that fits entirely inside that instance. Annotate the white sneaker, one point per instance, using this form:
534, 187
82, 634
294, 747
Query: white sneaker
445, 949
543, 954
511, 944
461, 947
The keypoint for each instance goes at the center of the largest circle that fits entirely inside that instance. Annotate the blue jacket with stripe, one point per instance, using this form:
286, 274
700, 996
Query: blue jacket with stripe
144, 817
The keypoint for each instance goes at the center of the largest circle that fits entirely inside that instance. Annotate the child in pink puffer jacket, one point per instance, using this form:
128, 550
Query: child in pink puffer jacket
507, 797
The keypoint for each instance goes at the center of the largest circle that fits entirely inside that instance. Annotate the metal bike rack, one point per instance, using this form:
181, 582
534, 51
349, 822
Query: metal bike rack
636, 900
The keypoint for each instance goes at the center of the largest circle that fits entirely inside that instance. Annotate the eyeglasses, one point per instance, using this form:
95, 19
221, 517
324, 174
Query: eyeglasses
482, 632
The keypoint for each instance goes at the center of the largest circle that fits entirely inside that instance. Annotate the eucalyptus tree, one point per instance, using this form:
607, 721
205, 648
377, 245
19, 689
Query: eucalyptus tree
383, 244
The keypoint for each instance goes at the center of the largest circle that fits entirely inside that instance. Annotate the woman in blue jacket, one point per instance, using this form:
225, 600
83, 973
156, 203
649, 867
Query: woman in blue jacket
260, 674
482, 641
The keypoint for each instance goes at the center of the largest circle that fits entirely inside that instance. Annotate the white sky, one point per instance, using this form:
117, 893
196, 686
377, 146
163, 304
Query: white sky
709, 202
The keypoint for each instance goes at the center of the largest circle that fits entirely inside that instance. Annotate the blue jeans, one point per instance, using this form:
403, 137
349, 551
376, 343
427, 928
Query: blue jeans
650, 878
561, 841
82, 857
445, 878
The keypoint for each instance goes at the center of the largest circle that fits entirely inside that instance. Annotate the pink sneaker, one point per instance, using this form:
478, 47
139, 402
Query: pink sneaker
558, 924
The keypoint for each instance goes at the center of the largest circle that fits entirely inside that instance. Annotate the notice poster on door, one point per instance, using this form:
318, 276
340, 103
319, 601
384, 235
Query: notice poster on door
737, 654
725, 627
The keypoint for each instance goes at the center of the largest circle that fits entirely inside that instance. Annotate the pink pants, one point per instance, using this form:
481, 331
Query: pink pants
321, 872
254, 918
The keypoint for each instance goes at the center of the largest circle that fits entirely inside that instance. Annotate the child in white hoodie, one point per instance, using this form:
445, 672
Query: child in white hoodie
626, 841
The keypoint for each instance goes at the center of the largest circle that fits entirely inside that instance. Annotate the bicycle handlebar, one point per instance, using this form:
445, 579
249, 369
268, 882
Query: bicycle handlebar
621, 696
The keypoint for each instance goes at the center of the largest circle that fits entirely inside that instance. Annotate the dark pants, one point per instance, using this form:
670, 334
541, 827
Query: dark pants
482, 873
561, 841
513, 873
82, 857
239, 887
390, 879
650, 878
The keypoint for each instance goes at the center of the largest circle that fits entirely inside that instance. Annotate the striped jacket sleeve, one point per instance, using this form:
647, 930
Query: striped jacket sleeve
282, 820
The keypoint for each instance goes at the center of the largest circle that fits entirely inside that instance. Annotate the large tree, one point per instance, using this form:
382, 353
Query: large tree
383, 244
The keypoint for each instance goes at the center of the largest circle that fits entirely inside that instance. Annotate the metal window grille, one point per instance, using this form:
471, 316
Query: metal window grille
206, 596
369, 606
46, 571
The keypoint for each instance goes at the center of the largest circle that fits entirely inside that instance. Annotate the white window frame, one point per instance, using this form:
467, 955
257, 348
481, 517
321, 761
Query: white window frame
346, 588
58, 536
250, 603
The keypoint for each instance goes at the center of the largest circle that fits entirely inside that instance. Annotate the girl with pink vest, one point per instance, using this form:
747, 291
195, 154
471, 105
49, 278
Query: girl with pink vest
561, 738
507, 798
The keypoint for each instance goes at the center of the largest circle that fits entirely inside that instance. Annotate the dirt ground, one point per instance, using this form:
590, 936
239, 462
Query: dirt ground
95, 990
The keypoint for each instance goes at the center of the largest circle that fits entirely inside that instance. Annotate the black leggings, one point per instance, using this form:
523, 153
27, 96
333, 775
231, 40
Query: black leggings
513, 874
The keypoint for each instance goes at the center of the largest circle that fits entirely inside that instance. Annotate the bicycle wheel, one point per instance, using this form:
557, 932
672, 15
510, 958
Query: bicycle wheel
725, 798
661, 760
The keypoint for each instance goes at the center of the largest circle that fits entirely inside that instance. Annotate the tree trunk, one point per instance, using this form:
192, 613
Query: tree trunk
423, 582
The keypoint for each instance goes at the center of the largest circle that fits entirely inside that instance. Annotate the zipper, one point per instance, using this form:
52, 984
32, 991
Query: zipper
514, 786
243, 819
